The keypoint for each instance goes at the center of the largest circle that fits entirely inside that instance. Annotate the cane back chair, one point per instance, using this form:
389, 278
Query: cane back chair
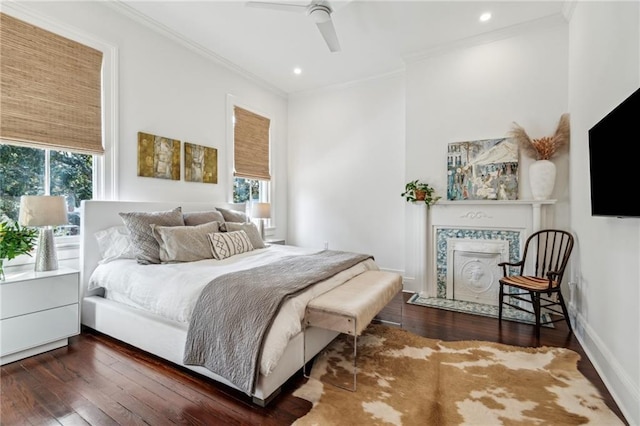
548, 251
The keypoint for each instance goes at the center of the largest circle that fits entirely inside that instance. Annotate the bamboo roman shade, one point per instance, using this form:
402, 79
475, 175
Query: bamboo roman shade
251, 145
50, 89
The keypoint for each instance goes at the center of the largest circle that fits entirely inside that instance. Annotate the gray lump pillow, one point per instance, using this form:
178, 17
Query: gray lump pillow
198, 218
139, 224
251, 230
232, 215
184, 243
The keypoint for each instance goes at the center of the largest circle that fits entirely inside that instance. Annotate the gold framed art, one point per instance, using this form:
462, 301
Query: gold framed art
158, 157
200, 163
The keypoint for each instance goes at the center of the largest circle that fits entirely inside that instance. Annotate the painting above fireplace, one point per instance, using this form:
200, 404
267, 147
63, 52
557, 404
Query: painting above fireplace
482, 170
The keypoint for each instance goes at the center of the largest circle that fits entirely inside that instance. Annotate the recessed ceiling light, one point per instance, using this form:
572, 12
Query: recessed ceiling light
485, 17
297, 70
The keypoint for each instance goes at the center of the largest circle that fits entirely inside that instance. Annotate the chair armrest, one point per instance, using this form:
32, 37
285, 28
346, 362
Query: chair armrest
503, 264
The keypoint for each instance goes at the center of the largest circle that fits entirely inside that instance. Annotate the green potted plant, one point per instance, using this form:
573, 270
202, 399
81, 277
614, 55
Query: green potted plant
14, 241
420, 191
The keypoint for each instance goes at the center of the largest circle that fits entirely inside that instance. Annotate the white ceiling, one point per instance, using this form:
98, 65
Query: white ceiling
376, 36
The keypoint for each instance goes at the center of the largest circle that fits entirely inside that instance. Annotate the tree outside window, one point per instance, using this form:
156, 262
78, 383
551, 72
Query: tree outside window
33, 171
246, 190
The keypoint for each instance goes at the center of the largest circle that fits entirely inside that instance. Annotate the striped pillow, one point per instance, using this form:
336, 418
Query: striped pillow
227, 244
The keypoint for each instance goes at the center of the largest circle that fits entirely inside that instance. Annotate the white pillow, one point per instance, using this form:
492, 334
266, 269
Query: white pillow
227, 244
114, 243
184, 243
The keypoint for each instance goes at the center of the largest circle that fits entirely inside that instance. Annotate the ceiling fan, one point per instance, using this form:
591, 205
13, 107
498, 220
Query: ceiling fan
318, 10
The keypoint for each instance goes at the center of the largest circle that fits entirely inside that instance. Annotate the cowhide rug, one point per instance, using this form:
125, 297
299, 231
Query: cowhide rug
404, 379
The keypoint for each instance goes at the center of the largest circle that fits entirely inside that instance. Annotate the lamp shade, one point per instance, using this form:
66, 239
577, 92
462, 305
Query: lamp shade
261, 210
42, 210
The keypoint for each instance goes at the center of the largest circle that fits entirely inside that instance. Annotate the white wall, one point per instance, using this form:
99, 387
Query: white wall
346, 169
170, 90
604, 69
475, 92
351, 150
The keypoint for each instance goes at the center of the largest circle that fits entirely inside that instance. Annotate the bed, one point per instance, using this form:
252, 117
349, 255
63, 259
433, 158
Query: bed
130, 311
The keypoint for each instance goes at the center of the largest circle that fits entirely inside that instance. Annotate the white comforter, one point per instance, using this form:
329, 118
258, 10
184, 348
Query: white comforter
171, 290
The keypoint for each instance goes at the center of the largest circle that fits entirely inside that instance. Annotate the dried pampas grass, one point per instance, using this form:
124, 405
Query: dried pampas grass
546, 147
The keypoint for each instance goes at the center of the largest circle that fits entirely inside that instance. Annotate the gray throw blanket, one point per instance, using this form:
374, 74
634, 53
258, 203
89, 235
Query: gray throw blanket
235, 311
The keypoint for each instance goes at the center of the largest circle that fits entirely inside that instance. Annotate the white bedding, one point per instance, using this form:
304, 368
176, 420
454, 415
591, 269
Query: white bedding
171, 290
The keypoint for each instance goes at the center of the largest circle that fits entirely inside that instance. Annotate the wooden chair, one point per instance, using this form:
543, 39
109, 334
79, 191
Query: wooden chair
549, 252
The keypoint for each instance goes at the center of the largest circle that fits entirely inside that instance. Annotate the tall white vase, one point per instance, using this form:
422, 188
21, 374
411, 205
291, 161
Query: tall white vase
542, 178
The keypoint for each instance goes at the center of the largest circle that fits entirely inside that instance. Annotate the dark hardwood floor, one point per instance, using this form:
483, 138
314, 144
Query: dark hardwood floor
98, 380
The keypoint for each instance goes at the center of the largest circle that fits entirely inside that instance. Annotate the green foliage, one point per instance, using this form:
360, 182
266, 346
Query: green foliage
22, 171
15, 239
420, 191
71, 176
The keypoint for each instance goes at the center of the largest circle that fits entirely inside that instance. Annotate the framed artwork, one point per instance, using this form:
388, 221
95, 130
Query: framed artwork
158, 157
200, 163
482, 170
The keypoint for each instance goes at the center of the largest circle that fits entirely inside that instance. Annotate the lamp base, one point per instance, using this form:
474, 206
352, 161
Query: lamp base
46, 257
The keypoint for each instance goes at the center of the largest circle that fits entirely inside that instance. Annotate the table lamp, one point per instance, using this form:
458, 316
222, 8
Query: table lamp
44, 211
261, 211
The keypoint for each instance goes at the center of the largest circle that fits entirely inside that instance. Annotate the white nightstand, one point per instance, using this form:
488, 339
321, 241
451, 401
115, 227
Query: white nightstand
275, 241
39, 311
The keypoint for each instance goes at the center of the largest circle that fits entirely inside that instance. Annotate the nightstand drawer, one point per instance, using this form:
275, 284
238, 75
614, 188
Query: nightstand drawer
26, 331
37, 294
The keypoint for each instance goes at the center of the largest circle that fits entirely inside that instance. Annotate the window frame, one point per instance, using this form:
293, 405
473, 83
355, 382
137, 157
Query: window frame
105, 168
266, 187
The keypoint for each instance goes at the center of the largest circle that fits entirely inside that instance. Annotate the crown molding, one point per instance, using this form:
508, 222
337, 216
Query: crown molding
162, 29
489, 37
568, 7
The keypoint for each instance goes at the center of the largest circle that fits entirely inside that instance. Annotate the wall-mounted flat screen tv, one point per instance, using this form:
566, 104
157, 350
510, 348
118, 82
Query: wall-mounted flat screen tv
614, 154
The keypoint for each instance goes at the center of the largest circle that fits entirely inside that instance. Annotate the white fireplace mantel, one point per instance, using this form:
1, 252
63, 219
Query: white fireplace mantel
521, 216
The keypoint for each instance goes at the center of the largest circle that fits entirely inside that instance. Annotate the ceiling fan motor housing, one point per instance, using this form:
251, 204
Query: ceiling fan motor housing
319, 13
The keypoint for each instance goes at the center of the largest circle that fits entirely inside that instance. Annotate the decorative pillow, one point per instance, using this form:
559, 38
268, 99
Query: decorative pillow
233, 215
252, 232
227, 244
146, 247
198, 218
114, 243
184, 243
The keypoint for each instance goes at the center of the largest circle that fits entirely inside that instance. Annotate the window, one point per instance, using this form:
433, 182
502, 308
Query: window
251, 157
34, 171
53, 121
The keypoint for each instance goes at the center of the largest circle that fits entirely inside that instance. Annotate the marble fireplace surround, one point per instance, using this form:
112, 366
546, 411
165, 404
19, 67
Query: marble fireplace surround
498, 229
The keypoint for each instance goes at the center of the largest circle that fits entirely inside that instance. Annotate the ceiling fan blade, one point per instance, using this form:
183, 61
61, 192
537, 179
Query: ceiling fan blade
288, 7
328, 31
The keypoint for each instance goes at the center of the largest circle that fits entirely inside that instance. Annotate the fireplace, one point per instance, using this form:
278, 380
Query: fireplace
467, 239
472, 269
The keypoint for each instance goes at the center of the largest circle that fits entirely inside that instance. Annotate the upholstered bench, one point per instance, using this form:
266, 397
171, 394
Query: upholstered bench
350, 308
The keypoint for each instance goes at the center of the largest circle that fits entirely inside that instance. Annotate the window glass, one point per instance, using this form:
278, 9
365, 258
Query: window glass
21, 173
246, 190
33, 171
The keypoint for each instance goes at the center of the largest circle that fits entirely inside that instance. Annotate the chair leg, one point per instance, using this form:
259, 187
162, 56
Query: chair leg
535, 300
565, 311
500, 299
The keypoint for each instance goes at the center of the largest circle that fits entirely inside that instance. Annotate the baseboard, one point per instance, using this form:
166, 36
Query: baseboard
618, 383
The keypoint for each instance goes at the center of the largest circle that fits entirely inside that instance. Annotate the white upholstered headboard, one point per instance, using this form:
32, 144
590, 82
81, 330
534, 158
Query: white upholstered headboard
99, 215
